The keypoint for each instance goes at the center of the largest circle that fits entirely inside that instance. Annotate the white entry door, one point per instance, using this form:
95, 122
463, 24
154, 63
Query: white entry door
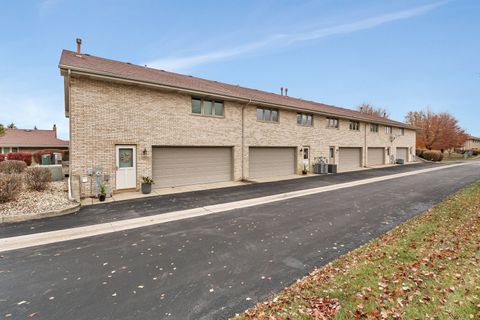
126, 175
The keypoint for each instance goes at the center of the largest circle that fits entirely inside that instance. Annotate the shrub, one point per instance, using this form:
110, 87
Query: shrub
22, 156
10, 186
12, 166
2, 157
475, 152
37, 156
419, 152
432, 155
37, 178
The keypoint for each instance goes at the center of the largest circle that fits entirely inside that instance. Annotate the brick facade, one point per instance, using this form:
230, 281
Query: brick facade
105, 114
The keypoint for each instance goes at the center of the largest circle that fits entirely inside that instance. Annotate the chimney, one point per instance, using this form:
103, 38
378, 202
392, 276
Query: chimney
55, 130
79, 45
384, 114
361, 108
286, 92
281, 91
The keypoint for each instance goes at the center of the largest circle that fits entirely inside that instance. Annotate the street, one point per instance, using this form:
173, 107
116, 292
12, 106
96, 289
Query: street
213, 266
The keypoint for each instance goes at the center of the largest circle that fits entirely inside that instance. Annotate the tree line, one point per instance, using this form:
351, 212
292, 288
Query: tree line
435, 131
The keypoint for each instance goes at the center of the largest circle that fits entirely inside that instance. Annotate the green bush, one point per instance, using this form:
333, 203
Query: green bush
432, 155
37, 178
12, 166
10, 186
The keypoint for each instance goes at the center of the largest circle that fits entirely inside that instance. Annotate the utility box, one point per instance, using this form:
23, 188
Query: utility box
46, 160
332, 168
320, 168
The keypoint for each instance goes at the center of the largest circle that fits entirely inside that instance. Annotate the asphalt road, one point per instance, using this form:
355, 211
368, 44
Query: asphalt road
214, 266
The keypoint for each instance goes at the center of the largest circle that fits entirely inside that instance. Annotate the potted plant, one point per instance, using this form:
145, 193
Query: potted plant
102, 191
147, 185
305, 170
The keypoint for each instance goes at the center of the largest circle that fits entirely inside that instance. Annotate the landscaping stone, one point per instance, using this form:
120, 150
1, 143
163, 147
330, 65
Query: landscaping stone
29, 202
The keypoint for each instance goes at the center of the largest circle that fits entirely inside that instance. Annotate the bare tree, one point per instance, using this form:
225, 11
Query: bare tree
369, 109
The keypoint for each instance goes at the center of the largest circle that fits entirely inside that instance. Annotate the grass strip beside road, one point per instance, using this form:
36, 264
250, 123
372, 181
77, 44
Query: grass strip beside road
426, 268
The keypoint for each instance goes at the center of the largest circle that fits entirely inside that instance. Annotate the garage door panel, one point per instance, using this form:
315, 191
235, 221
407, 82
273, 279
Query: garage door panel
180, 166
350, 158
376, 156
270, 162
402, 153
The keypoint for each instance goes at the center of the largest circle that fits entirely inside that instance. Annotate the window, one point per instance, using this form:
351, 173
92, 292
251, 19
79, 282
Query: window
207, 107
354, 125
267, 114
402, 131
373, 127
304, 119
388, 129
332, 152
332, 123
14, 149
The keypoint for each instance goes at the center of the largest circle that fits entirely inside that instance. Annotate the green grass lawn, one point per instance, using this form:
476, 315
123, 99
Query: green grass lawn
427, 268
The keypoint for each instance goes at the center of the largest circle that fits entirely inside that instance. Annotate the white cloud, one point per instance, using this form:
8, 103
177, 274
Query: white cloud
282, 40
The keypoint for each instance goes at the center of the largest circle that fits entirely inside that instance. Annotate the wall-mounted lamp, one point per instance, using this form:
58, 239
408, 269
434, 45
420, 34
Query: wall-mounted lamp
145, 151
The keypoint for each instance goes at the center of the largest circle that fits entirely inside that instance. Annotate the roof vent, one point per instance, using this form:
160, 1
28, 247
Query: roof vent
79, 46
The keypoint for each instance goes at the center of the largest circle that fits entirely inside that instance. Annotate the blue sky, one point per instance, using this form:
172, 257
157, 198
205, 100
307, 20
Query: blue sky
399, 55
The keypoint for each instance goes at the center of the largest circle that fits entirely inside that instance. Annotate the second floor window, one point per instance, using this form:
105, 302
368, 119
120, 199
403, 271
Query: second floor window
388, 129
207, 107
332, 123
402, 131
267, 114
304, 119
354, 125
373, 127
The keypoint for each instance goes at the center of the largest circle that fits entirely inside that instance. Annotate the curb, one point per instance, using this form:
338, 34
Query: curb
41, 215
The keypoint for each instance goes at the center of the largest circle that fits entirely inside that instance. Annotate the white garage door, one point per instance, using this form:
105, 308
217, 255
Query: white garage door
402, 153
180, 166
270, 162
349, 158
376, 156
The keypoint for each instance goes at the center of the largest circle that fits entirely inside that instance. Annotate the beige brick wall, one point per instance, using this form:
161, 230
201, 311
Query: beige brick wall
472, 144
105, 114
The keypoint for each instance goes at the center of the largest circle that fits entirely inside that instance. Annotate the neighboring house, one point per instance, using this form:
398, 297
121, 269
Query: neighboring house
30, 140
129, 121
471, 143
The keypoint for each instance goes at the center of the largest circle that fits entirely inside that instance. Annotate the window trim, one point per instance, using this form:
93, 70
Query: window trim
332, 127
267, 121
307, 115
202, 114
354, 125
372, 126
390, 131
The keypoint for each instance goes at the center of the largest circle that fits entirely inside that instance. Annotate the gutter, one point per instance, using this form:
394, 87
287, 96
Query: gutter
112, 77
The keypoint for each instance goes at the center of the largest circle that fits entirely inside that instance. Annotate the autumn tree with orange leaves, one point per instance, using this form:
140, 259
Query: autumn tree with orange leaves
436, 131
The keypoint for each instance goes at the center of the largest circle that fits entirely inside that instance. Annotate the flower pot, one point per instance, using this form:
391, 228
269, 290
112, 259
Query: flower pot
146, 188
101, 197
304, 172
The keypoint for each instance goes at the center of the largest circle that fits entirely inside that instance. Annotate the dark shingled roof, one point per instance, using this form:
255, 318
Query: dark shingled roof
116, 69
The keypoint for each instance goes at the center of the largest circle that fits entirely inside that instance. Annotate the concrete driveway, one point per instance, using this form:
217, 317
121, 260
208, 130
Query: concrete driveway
214, 266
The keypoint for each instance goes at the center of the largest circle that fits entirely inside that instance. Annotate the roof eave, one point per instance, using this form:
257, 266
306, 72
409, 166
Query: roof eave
112, 77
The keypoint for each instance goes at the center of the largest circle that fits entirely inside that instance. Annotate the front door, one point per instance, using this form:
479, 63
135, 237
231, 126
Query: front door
306, 158
126, 174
